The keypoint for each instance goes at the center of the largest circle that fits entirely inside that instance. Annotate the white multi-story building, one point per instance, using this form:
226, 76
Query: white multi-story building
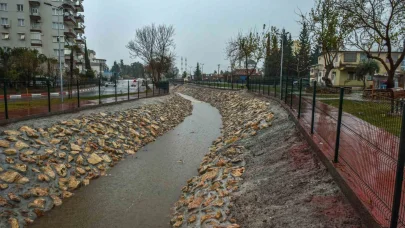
36, 23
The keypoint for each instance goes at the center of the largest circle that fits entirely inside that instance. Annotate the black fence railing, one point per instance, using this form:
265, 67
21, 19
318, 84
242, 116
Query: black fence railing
20, 99
364, 135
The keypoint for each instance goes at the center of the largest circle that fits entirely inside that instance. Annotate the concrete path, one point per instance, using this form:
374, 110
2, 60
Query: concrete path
140, 190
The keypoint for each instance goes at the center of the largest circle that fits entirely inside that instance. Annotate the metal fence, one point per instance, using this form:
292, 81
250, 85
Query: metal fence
363, 136
20, 99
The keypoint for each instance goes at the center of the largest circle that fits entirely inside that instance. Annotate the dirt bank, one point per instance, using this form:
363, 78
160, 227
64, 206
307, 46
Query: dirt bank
276, 180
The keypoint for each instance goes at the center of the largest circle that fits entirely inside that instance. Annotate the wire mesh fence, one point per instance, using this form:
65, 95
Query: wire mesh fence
22, 99
360, 133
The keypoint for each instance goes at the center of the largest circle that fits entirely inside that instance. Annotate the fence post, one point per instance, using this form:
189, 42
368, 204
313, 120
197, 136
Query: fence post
146, 88
300, 100
128, 90
49, 95
313, 108
5, 99
286, 90
339, 124
159, 89
292, 91
153, 89
115, 86
78, 93
275, 87
399, 177
137, 84
99, 90
260, 85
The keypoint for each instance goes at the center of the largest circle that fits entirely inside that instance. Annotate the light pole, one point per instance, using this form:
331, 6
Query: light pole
59, 44
282, 59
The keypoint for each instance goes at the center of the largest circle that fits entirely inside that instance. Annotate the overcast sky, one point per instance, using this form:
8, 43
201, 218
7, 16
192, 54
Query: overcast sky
202, 26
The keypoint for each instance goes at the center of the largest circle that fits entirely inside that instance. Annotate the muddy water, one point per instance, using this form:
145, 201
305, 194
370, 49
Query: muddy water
140, 190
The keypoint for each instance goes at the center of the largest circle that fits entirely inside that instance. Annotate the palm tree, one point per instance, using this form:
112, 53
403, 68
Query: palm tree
366, 67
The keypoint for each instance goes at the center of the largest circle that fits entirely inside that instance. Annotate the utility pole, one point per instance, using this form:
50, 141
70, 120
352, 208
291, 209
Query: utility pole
202, 69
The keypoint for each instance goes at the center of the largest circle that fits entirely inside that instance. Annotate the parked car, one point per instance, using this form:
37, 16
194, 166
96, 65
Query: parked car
107, 84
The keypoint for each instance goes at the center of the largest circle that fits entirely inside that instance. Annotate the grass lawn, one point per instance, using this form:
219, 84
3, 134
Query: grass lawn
377, 114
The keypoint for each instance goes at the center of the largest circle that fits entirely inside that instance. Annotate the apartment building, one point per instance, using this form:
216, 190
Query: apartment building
37, 24
345, 66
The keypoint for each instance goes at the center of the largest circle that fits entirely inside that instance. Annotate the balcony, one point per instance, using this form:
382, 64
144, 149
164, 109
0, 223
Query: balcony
79, 18
35, 3
35, 16
68, 4
36, 43
69, 19
36, 27
80, 29
79, 40
79, 7
70, 33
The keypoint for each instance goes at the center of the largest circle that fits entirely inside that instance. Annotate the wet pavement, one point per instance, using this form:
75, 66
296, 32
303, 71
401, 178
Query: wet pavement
29, 111
140, 190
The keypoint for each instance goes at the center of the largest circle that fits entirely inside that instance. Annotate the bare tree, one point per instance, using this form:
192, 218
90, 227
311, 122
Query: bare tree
164, 45
378, 27
327, 26
154, 46
245, 47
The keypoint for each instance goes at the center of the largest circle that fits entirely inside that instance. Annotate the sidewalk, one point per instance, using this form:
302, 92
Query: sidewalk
29, 111
37, 95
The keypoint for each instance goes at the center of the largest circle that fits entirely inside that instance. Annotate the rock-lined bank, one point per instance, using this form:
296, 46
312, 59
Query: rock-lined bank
260, 173
206, 199
41, 167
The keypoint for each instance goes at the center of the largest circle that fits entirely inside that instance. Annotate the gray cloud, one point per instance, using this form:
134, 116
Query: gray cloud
202, 27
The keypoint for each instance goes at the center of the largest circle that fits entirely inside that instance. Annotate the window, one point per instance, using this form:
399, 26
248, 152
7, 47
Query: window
55, 39
20, 7
56, 25
35, 36
350, 57
56, 52
4, 21
34, 11
3, 6
56, 11
22, 36
5, 36
352, 76
21, 22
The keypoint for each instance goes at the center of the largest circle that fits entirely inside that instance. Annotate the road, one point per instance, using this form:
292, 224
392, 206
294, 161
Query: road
140, 190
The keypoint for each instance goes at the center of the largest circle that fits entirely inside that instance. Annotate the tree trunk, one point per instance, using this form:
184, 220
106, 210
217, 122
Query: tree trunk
364, 82
390, 80
325, 78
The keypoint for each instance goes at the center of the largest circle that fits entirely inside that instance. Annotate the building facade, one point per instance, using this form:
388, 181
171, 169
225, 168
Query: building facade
36, 24
345, 66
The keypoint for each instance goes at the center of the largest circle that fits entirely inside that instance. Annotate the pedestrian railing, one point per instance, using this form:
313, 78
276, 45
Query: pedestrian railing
364, 136
21, 99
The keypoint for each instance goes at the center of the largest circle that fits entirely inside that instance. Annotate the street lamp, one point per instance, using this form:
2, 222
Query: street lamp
59, 44
282, 59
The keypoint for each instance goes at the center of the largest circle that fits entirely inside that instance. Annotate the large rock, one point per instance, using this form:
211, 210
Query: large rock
4, 143
10, 151
38, 191
73, 183
56, 200
13, 177
37, 203
21, 145
48, 171
94, 159
60, 169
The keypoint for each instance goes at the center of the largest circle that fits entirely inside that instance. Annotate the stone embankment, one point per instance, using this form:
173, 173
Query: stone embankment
39, 168
259, 173
206, 199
